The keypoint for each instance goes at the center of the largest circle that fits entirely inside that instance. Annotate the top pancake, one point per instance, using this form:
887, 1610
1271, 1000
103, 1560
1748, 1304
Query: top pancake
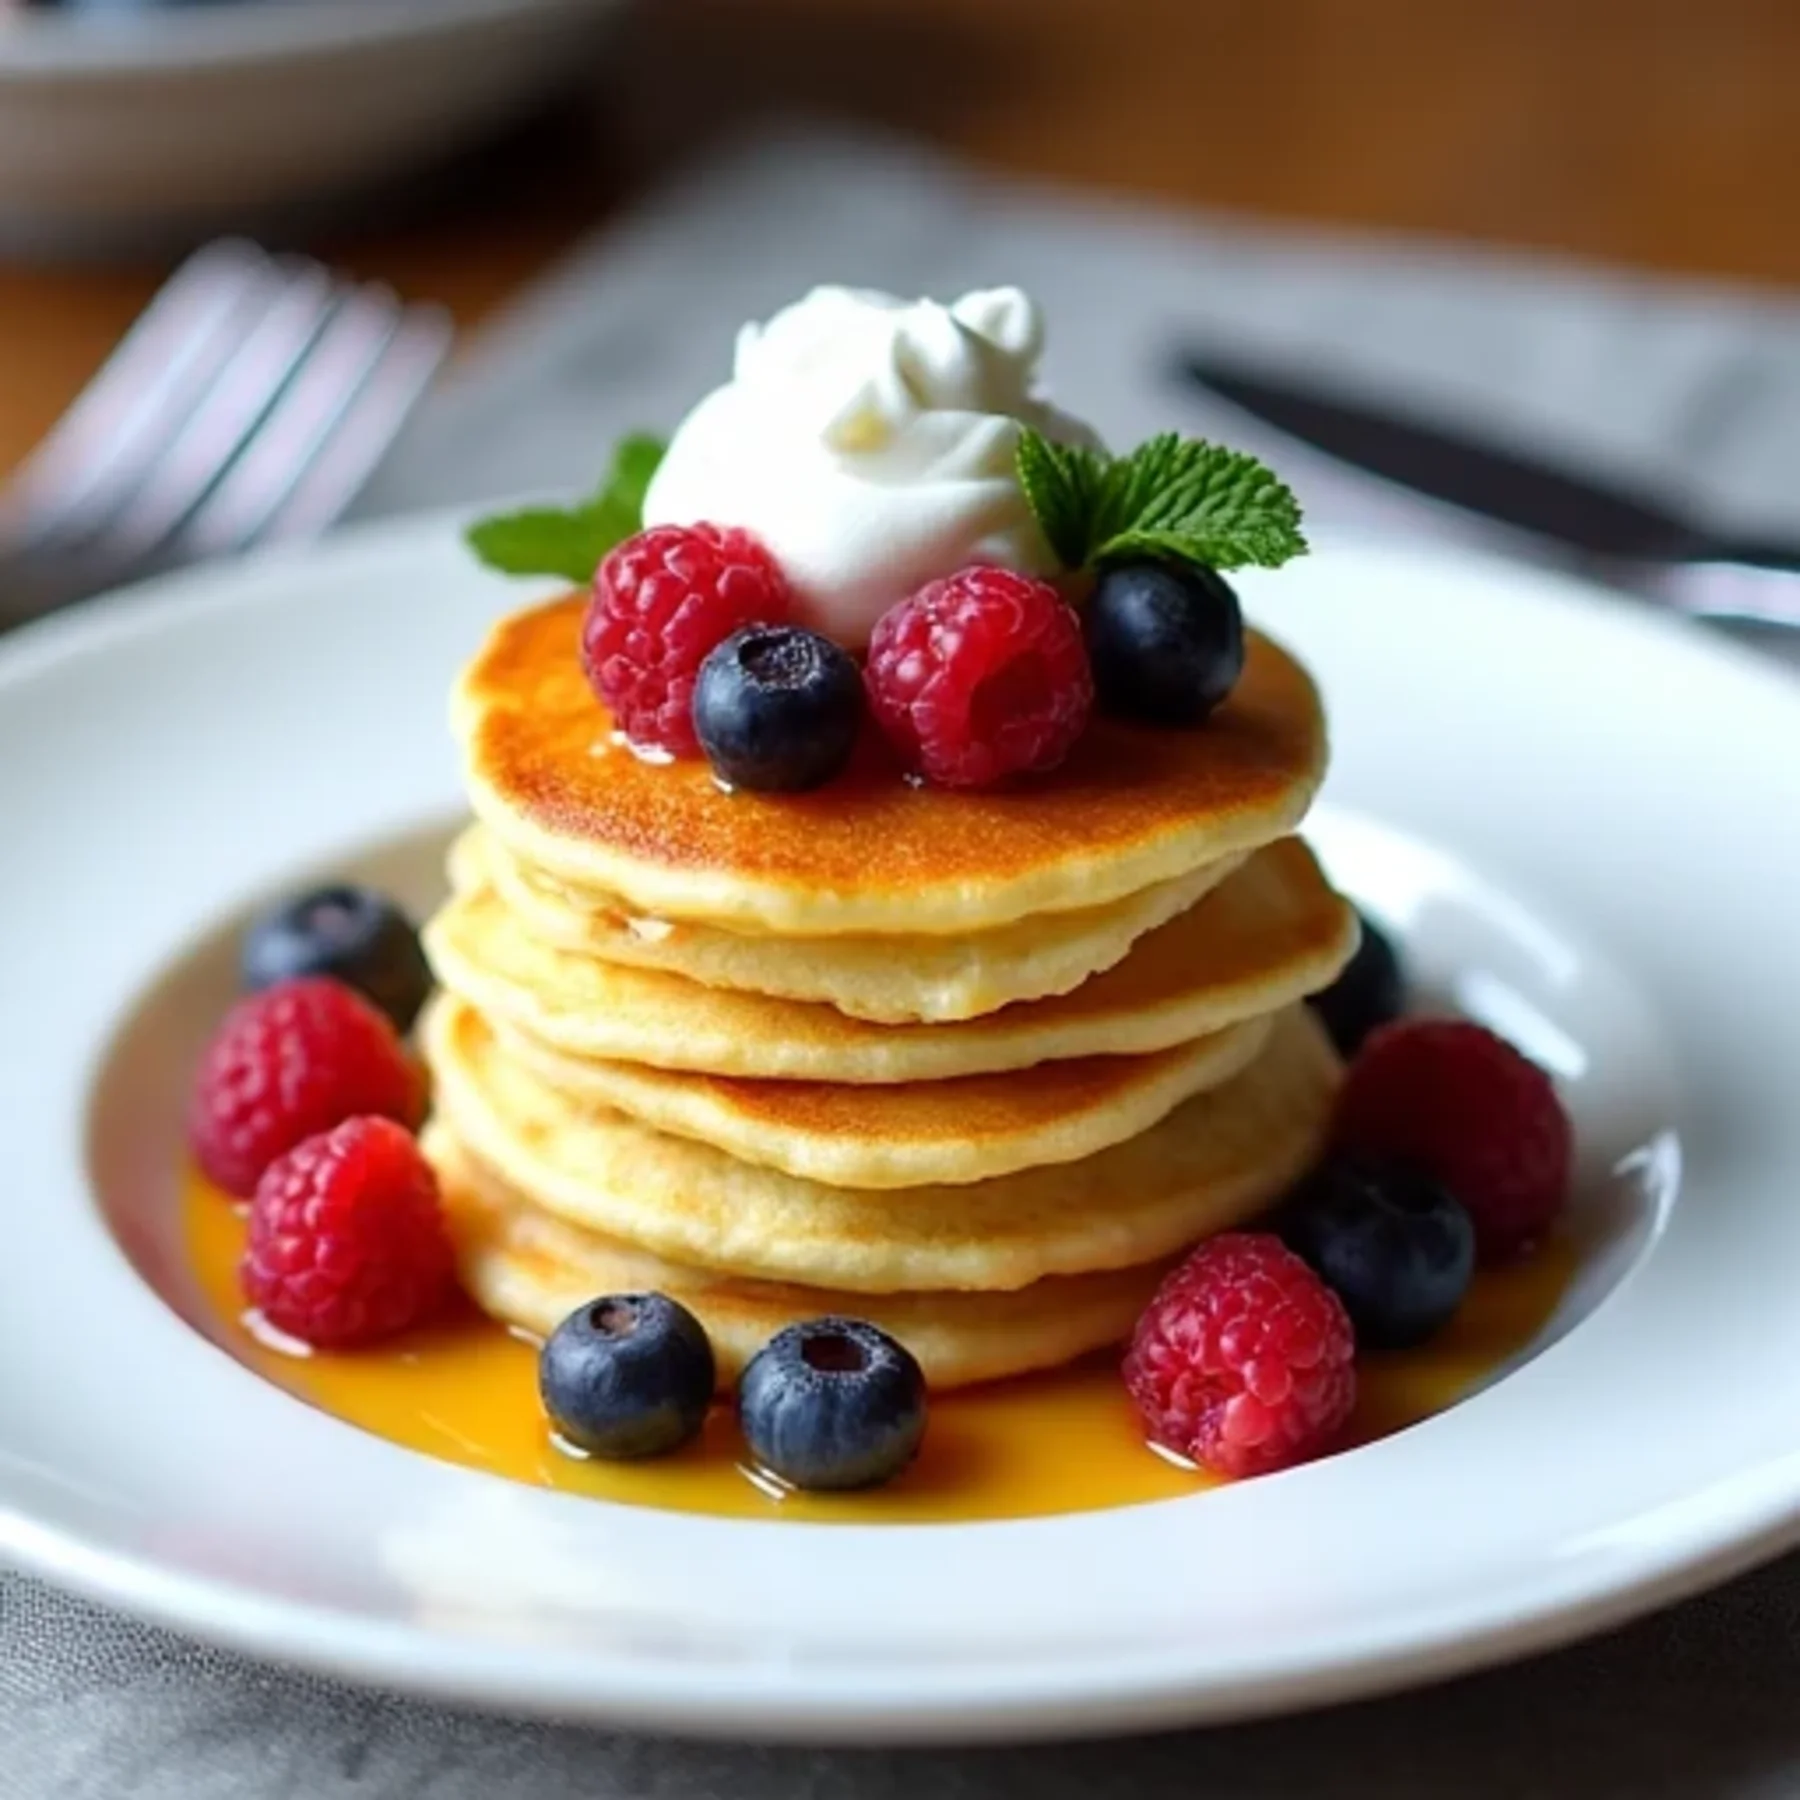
871, 852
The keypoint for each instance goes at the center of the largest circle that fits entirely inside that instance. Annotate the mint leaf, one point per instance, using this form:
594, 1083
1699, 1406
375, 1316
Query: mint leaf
1174, 497
1199, 502
635, 461
1063, 483
539, 541
570, 541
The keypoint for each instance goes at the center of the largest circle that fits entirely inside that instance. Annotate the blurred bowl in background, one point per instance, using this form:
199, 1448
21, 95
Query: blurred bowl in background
160, 124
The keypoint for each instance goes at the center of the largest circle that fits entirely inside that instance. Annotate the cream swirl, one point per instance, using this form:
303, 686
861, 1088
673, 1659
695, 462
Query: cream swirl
869, 442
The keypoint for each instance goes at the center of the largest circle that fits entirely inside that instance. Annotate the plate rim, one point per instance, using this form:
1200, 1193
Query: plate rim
294, 1635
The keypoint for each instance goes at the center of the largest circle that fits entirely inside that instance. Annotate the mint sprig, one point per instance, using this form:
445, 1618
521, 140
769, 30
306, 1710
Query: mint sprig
1174, 497
1066, 485
570, 541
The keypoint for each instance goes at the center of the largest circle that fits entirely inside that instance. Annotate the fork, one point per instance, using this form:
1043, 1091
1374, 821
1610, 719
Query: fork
249, 404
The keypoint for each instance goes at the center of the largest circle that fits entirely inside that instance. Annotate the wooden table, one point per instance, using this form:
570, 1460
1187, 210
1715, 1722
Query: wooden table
1658, 132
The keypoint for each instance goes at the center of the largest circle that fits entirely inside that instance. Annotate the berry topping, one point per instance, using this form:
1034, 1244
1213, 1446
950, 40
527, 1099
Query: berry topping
1371, 991
1166, 641
1392, 1244
347, 1240
627, 1376
1463, 1106
778, 709
833, 1403
980, 676
289, 1063
663, 601
352, 934
1244, 1361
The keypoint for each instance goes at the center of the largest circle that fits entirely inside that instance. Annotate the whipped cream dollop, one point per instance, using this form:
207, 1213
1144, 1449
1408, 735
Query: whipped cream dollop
869, 442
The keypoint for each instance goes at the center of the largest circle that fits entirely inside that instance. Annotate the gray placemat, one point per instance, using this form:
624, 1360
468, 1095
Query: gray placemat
1688, 388
1704, 1701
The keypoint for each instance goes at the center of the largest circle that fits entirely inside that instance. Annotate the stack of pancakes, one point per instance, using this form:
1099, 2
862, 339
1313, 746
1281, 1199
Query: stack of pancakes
974, 1066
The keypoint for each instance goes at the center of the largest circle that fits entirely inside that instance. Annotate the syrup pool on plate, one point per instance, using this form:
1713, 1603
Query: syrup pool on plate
466, 1390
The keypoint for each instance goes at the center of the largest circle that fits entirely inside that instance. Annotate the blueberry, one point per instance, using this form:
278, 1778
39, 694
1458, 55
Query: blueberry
1371, 991
1396, 1247
352, 934
833, 1403
778, 709
1166, 641
627, 1376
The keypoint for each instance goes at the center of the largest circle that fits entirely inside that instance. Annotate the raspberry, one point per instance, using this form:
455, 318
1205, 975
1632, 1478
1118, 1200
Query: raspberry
293, 1060
1244, 1361
663, 600
347, 1239
980, 676
1464, 1107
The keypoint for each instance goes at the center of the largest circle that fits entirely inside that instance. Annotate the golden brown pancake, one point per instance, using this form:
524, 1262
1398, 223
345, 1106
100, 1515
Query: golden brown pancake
1212, 1162
1269, 935
531, 1269
969, 1129
871, 852
891, 980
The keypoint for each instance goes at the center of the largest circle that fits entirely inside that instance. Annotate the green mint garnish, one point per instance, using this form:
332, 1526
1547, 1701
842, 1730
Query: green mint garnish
1174, 497
1066, 486
570, 541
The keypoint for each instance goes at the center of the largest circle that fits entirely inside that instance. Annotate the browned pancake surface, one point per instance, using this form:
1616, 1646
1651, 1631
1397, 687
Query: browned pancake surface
543, 747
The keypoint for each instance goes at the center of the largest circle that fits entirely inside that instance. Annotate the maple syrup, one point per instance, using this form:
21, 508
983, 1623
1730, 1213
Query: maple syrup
465, 1389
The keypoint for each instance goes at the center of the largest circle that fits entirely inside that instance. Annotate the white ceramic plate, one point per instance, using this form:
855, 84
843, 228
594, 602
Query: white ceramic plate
1582, 820
137, 127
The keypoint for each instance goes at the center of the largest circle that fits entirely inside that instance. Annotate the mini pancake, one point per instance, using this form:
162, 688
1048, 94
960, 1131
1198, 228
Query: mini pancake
891, 980
1213, 1162
969, 1129
530, 1269
871, 852
1271, 933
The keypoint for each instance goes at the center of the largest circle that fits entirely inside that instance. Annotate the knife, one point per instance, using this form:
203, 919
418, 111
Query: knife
1623, 538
